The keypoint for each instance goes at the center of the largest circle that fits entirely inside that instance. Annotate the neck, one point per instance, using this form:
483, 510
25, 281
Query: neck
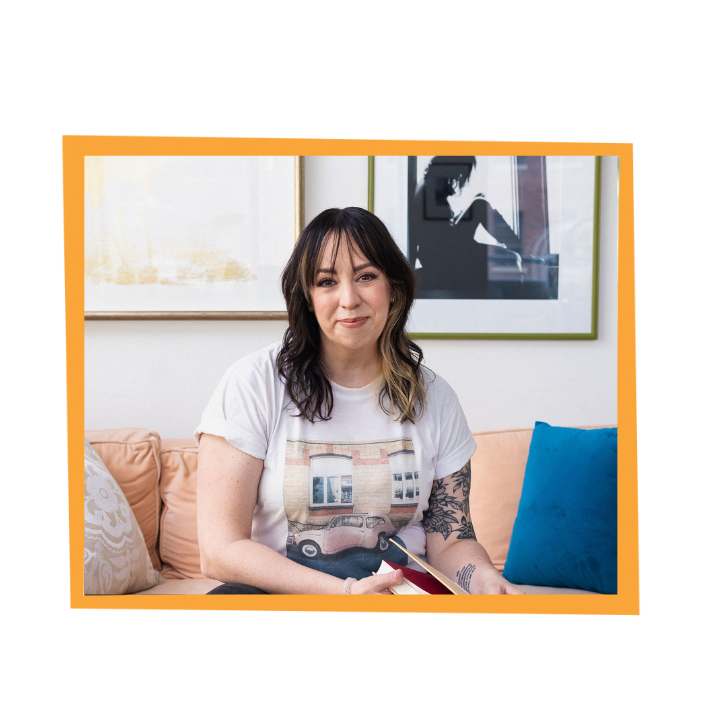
349, 368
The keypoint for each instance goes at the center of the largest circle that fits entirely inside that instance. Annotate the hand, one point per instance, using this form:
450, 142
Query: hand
495, 584
377, 584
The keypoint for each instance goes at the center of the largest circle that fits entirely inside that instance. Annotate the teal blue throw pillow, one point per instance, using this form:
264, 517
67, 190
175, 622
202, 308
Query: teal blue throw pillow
565, 533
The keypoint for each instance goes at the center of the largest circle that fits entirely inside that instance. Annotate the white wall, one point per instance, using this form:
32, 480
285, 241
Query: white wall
159, 375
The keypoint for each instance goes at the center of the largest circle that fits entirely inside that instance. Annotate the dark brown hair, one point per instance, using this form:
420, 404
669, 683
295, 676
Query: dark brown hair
402, 393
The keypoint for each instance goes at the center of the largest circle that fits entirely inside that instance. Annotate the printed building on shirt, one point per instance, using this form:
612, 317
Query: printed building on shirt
323, 480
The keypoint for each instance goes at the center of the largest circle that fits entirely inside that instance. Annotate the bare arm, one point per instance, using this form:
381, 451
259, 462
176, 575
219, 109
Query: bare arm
495, 224
451, 543
227, 490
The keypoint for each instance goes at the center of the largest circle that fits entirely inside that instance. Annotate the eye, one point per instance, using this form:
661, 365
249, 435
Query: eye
325, 283
367, 276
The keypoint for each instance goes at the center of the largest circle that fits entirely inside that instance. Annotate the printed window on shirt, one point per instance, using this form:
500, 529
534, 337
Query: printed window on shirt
332, 480
405, 480
409, 486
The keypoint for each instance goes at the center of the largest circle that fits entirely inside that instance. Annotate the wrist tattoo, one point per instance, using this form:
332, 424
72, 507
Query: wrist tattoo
464, 575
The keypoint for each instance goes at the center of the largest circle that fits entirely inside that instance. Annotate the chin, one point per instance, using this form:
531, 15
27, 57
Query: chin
357, 342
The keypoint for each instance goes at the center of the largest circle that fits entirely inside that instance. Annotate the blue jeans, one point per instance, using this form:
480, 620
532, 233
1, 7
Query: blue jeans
356, 563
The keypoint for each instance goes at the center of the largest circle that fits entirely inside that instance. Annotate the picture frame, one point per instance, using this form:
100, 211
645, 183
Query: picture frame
171, 236
503, 247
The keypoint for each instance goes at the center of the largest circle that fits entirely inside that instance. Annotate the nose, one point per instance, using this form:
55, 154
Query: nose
349, 298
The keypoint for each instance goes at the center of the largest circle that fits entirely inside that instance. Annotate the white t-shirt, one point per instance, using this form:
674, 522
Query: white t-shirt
333, 488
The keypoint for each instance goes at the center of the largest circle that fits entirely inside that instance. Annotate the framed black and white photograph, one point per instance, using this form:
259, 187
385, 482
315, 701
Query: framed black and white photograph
501, 246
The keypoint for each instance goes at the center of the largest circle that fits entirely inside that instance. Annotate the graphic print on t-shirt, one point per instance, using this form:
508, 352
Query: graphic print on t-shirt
351, 495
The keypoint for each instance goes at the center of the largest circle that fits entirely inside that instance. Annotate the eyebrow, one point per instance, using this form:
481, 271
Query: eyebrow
355, 268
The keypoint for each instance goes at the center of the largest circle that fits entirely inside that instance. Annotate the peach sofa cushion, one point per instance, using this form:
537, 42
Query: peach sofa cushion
497, 474
179, 547
133, 458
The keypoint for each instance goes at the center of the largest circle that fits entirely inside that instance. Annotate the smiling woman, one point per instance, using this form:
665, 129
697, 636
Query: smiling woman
303, 442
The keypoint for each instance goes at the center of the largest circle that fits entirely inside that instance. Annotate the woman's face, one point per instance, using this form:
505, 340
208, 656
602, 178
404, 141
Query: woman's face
350, 299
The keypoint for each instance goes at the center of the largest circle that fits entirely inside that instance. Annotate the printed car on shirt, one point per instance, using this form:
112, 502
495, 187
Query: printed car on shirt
345, 531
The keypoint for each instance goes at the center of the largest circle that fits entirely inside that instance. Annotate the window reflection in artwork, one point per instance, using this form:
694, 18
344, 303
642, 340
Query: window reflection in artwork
331, 480
346, 491
318, 491
332, 490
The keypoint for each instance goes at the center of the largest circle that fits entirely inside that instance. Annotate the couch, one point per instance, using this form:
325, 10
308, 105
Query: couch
159, 480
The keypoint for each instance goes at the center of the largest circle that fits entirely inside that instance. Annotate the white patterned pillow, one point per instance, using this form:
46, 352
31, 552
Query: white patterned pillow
116, 560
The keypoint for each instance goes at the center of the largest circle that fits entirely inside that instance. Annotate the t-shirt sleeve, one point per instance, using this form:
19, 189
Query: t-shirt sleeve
455, 442
238, 412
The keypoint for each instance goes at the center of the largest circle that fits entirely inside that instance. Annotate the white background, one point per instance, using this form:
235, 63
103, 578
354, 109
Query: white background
161, 374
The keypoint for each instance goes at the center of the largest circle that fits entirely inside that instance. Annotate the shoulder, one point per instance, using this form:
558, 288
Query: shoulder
438, 390
257, 367
258, 363
452, 439
480, 204
246, 403
441, 399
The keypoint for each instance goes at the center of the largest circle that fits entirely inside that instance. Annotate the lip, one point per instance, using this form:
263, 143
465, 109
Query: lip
352, 322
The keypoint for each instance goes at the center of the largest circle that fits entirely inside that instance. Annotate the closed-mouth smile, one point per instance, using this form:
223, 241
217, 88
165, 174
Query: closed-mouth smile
353, 322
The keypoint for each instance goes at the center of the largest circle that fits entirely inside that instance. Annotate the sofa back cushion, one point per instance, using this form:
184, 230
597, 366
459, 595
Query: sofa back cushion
133, 458
497, 474
179, 547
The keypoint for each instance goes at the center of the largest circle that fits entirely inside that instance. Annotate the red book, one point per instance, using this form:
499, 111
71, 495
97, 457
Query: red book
424, 581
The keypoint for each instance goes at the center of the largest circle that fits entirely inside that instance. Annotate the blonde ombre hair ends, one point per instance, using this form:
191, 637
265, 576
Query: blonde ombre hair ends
401, 388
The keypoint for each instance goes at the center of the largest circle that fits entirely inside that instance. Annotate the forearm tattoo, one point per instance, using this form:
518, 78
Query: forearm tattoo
445, 506
464, 575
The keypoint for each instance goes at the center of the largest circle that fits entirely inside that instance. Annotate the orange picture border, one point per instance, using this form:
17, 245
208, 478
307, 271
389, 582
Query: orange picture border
75, 148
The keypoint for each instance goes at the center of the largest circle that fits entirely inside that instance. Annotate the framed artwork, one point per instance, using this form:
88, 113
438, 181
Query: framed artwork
189, 237
503, 247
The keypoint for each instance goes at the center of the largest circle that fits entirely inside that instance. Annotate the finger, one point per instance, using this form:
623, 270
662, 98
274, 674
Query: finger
509, 589
388, 580
395, 578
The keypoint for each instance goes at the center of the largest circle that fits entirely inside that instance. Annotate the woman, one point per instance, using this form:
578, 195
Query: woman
445, 214
317, 453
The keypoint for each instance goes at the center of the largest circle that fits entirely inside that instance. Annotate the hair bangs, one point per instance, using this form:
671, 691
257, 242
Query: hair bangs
344, 229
